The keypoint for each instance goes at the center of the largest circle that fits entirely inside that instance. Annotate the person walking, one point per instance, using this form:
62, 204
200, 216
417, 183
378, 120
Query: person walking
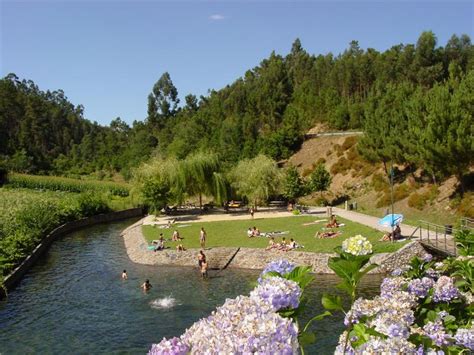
202, 238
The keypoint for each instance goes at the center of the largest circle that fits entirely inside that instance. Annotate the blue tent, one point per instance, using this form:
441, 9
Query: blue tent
391, 220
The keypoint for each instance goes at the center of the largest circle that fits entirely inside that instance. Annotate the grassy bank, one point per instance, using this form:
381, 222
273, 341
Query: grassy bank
234, 234
27, 215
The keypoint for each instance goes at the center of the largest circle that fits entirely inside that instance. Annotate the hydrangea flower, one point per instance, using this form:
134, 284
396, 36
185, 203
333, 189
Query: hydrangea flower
357, 245
465, 337
173, 346
392, 284
433, 274
394, 345
420, 287
427, 258
444, 290
281, 266
278, 292
243, 325
436, 332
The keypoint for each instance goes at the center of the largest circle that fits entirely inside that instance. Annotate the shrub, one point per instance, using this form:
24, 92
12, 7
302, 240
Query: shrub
399, 193
380, 183
27, 216
466, 206
417, 201
342, 166
349, 142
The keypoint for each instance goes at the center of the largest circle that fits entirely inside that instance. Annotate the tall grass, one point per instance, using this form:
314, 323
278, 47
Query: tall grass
26, 216
54, 183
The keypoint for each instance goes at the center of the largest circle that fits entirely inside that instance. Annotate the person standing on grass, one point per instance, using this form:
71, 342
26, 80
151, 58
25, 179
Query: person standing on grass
202, 238
252, 211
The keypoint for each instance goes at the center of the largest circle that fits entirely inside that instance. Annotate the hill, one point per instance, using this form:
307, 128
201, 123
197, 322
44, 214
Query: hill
357, 180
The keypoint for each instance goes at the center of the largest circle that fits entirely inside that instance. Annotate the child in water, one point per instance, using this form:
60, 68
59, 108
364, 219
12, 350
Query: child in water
146, 285
124, 275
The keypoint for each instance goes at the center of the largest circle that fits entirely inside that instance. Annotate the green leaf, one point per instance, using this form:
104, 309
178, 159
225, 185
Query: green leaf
306, 338
332, 302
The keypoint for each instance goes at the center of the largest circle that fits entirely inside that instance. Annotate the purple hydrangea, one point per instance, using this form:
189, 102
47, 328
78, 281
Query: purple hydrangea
433, 274
397, 272
278, 292
398, 330
281, 266
420, 287
173, 346
391, 285
444, 290
436, 332
427, 258
465, 337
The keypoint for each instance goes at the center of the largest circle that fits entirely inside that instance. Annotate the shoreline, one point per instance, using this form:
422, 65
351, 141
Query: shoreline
247, 258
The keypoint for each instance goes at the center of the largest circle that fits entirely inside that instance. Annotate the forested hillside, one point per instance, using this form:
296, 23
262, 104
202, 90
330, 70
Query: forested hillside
42, 132
414, 101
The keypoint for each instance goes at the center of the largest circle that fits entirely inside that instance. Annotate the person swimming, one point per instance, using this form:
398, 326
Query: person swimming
204, 269
146, 285
124, 275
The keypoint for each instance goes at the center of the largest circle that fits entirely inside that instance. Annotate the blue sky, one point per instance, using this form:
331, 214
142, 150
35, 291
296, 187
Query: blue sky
106, 55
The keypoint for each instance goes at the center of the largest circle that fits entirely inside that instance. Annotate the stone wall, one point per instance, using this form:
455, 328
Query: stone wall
15, 276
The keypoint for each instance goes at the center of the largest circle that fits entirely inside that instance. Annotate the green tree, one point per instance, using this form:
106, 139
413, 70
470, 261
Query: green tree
293, 184
202, 177
320, 179
162, 101
257, 179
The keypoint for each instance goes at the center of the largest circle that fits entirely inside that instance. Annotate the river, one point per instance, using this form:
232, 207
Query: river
74, 300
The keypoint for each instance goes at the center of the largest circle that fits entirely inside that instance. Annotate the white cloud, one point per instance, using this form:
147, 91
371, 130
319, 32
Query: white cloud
217, 17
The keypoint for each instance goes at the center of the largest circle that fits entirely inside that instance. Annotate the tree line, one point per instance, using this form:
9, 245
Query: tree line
414, 102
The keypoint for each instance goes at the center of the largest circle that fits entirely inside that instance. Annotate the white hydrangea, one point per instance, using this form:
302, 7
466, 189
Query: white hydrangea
357, 245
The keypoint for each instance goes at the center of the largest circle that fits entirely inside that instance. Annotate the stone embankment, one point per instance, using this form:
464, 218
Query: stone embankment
248, 258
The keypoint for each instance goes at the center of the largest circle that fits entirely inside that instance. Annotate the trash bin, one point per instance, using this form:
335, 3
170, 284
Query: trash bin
448, 229
351, 206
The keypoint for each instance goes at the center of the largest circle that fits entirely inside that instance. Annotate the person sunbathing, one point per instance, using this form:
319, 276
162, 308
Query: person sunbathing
180, 247
329, 234
395, 235
271, 244
283, 245
255, 232
332, 223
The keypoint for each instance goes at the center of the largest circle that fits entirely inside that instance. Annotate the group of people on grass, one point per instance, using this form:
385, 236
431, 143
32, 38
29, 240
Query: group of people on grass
159, 244
283, 245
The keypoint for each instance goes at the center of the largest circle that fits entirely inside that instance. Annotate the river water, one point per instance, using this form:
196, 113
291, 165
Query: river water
74, 300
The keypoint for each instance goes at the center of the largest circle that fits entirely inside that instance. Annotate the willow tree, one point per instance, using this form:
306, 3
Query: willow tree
257, 178
156, 183
200, 171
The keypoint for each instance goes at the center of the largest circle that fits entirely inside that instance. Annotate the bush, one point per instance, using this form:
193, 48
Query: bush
466, 206
380, 183
349, 142
341, 166
399, 193
27, 216
417, 201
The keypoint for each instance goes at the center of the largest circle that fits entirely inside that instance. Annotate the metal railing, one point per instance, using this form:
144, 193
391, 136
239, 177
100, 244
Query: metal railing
437, 236
467, 223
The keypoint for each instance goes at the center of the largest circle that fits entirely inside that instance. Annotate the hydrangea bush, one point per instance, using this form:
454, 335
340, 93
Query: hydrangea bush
427, 308
265, 322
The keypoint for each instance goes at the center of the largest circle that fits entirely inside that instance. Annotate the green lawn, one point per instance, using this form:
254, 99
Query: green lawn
234, 234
